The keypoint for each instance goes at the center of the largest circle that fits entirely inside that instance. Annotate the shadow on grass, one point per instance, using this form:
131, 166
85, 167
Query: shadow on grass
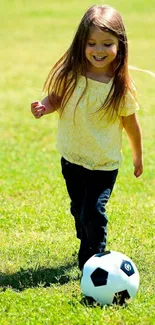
40, 276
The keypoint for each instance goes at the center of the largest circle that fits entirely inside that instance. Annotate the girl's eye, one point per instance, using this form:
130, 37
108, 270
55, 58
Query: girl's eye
91, 44
108, 45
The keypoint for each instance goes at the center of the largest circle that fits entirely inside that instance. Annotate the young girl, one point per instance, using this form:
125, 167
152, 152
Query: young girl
92, 92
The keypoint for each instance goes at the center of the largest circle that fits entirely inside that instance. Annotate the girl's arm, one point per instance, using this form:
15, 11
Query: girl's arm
133, 130
46, 106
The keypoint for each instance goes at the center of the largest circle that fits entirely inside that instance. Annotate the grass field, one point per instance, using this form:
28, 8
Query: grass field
39, 277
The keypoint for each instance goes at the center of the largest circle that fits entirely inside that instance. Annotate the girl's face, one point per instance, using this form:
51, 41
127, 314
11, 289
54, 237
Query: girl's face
101, 50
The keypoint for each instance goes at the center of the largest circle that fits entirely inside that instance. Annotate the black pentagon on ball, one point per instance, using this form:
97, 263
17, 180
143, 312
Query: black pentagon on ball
121, 297
127, 268
99, 277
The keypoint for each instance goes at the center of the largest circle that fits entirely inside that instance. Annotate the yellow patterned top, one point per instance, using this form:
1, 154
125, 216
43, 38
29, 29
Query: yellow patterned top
90, 140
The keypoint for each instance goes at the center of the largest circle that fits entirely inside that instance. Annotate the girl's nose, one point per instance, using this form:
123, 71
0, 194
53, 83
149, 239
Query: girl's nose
99, 49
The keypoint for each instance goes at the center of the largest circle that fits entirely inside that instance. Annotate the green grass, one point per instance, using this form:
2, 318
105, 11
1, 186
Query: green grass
39, 277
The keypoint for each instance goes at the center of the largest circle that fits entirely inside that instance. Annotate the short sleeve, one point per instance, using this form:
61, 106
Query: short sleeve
131, 105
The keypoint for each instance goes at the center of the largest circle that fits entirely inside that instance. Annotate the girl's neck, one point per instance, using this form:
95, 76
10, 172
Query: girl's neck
105, 78
100, 75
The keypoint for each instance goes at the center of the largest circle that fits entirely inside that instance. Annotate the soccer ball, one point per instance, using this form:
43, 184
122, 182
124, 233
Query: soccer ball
110, 277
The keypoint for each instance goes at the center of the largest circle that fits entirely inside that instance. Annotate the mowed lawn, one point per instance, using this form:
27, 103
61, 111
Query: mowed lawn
39, 276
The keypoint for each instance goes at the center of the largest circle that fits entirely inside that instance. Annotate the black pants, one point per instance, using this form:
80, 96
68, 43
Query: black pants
89, 191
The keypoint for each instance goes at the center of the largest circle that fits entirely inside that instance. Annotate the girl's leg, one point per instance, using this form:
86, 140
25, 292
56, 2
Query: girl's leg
99, 186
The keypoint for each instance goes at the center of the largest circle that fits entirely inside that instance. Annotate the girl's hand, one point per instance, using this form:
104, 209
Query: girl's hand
138, 168
133, 131
37, 109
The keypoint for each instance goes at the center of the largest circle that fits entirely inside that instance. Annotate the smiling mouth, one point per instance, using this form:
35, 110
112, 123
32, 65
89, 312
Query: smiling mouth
99, 58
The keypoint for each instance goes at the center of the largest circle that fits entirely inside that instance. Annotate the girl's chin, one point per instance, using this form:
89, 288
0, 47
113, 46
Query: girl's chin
99, 64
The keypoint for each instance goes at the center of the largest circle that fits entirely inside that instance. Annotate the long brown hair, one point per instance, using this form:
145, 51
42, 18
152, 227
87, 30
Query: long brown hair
63, 77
